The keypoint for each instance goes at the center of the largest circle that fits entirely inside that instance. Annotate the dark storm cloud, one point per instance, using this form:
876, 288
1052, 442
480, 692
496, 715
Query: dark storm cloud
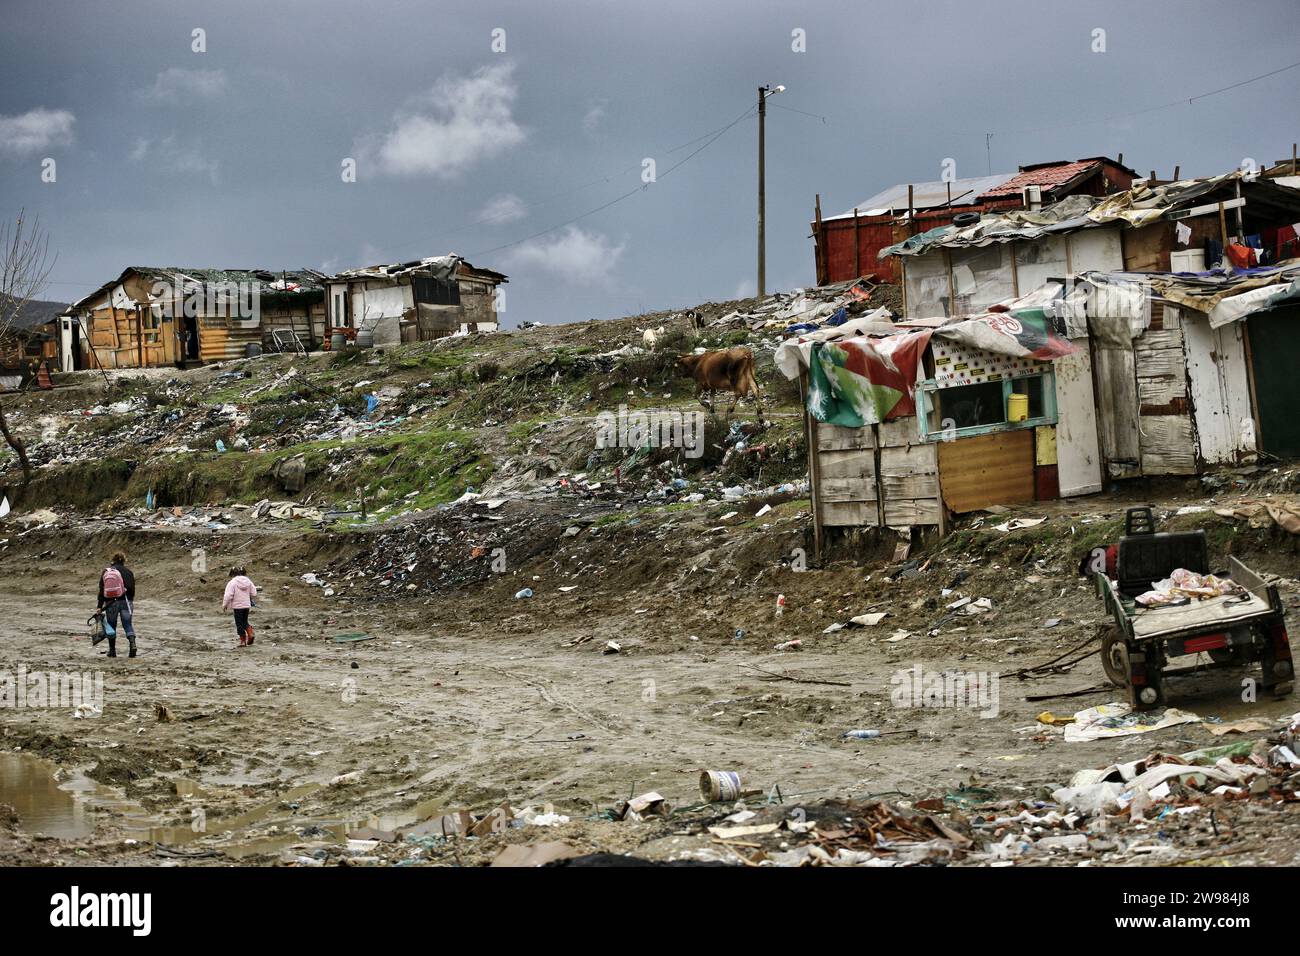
232, 157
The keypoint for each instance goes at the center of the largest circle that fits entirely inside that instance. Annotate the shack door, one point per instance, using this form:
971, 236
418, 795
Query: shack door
1275, 356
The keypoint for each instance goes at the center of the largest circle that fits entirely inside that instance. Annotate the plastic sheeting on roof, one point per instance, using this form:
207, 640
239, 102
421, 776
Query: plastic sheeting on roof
1072, 212
442, 267
1227, 295
1137, 206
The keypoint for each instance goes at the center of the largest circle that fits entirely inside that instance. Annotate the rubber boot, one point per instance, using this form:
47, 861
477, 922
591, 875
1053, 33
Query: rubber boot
131, 639
112, 647
249, 631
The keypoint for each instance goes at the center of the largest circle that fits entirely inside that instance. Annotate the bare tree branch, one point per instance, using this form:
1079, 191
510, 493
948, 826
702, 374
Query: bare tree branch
25, 266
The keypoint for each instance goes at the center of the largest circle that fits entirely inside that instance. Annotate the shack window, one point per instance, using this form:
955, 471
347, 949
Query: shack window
970, 405
976, 409
433, 291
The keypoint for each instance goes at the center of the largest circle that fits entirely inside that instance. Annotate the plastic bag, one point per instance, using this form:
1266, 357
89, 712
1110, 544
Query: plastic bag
99, 628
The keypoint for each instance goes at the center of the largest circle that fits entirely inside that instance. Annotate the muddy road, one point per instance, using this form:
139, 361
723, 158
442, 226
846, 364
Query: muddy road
467, 698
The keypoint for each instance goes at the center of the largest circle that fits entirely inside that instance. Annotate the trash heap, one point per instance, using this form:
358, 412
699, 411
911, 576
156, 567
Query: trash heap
806, 310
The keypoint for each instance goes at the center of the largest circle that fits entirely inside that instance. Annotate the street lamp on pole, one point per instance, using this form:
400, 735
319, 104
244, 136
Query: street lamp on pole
763, 93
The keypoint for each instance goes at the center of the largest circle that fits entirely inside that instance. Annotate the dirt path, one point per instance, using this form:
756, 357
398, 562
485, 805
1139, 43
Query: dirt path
473, 699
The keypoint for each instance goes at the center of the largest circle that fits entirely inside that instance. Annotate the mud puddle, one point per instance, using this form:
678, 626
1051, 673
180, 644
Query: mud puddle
44, 805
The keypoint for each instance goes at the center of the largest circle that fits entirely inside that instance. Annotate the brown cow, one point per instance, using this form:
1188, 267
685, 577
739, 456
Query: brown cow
731, 369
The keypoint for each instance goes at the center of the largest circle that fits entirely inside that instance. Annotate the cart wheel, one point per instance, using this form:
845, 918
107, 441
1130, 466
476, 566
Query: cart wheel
1114, 656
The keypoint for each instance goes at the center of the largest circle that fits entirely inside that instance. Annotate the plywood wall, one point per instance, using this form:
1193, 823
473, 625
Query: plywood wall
994, 469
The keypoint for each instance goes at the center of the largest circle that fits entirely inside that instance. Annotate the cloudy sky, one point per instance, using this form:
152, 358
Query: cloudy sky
517, 134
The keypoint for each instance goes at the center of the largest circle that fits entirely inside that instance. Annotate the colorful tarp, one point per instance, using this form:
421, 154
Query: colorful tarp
867, 380
1027, 332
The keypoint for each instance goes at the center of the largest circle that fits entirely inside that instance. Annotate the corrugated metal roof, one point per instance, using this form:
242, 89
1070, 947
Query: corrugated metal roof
927, 195
1048, 177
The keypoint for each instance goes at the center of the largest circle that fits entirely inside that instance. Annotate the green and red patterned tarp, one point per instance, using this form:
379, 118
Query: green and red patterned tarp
866, 380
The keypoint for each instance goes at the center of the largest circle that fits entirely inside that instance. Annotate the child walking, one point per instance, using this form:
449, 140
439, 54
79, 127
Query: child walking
240, 592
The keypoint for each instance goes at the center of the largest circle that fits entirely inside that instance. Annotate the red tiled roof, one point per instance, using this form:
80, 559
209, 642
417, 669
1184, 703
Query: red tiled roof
1049, 177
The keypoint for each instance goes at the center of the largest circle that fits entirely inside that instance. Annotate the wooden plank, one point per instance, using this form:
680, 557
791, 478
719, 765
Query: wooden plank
1146, 248
838, 437
1117, 408
846, 489
846, 476
852, 463
994, 469
918, 511
814, 466
916, 460
849, 514
899, 432
1205, 210
909, 486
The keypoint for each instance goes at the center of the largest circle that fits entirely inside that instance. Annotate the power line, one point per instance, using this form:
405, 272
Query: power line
482, 220
1149, 109
791, 109
1081, 122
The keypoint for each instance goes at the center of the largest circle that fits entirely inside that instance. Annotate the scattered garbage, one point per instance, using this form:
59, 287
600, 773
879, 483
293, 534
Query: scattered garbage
352, 637
869, 620
650, 804
1120, 720
719, 786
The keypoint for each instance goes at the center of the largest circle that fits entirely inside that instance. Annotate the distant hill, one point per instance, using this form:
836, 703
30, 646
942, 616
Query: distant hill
36, 312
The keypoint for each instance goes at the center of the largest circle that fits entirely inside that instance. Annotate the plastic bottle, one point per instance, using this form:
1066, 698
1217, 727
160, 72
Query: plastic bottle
862, 734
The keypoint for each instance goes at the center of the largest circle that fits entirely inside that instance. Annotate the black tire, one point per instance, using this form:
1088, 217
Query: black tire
1114, 655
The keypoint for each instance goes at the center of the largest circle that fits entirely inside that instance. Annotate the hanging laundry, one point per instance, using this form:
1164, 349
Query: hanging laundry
1184, 233
1213, 253
1242, 257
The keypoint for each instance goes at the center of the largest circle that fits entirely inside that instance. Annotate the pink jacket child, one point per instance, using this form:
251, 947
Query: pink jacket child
239, 597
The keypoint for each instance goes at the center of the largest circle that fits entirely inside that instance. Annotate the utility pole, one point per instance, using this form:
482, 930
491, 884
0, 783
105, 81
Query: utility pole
763, 93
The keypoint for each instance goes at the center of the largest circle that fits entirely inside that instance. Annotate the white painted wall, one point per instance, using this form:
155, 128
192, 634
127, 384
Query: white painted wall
1036, 262
67, 342
1216, 371
1096, 250
380, 307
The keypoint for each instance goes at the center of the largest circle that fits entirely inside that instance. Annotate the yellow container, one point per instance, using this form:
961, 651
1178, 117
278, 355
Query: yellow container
1017, 407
